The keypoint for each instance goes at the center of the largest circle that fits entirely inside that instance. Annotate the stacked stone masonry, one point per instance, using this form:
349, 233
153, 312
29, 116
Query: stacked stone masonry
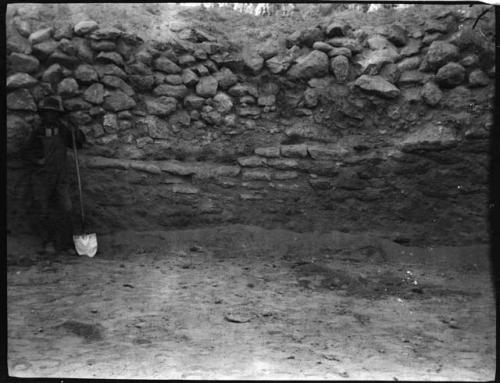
340, 129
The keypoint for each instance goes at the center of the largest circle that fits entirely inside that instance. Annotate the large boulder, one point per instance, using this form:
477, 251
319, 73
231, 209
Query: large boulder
314, 64
207, 86
94, 94
165, 65
20, 80
431, 94
86, 73
450, 75
21, 99
439, 54
21, 62
377, 85
340, 67
117, 101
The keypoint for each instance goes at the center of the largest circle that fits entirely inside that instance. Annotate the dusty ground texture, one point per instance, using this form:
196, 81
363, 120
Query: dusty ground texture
247, 303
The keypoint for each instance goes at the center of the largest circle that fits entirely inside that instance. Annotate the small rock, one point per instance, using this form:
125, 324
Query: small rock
222, 102
397, 35
21, 62
41, 35
294, 150
21, 99
193, 101
23, 27
335, 30
165, 65
268, 100
253, 61
315, 64
110, 58
226, 78
117, 101
104, 45
377, 85
189, 78
67, 87
105, 34
340, 67
478, 78
439, 54
270, 152
339, 52
186, 60
94, 94
44, 49
207, 86
20, 80
86, 73
177, 91
84, 27
450, 75
412, 48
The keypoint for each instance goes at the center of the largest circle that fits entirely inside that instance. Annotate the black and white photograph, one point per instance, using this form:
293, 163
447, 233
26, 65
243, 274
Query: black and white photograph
250, 191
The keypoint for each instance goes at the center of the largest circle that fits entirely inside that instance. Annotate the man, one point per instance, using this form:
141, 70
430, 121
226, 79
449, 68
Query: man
47, 152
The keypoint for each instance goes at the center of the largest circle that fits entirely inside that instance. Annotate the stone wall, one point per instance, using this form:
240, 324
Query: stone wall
376, 129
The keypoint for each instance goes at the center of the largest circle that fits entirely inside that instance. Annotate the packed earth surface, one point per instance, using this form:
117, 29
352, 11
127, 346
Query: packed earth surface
298, 195
241, 302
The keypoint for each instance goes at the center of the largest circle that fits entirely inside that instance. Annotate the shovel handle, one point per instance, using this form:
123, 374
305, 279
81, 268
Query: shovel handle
75, 151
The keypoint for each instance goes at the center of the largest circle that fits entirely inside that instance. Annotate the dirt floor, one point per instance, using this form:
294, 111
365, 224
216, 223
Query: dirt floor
247, 303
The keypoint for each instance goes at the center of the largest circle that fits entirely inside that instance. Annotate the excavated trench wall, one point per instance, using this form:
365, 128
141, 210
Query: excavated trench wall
383, 129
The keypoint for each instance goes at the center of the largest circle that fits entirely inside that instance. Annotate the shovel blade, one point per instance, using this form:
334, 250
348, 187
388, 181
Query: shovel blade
85, 244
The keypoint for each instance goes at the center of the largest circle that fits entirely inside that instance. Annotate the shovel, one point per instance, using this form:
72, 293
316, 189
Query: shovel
85, 244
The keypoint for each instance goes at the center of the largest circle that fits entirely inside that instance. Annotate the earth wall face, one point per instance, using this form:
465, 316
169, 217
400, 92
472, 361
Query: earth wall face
382, 129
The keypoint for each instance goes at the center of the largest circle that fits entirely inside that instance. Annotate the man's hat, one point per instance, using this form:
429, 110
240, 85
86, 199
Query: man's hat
51, 103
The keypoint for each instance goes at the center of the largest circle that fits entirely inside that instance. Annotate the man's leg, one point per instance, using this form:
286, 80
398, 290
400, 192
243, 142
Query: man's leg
41, 195
65, 223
